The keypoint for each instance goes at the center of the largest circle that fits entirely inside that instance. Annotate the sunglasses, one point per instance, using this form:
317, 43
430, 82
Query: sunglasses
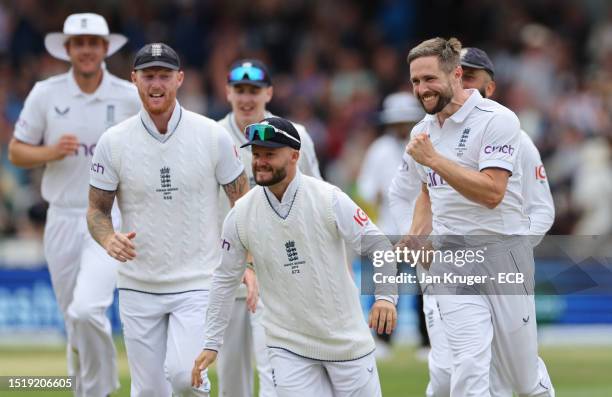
265, 132
250, 72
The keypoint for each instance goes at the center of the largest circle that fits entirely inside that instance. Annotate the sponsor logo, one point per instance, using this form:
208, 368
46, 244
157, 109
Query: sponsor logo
506, 149
461, 146
83, 23
433, 179
60, 112
156, 50
87, 150
360, 217
225, 245
292, 256
526, 319
97, 168
540, 173
110, 115
166, 184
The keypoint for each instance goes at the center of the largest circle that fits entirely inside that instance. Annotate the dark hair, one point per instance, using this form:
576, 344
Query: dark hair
447, 52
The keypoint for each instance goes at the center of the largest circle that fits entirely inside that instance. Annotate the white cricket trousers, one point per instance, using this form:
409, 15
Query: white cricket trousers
244, 338
163, 336
495, 337
83, 278
297, 376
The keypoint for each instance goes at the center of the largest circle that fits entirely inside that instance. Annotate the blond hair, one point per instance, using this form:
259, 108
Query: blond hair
447, 52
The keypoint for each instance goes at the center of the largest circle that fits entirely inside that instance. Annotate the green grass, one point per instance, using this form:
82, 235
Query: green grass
576, 371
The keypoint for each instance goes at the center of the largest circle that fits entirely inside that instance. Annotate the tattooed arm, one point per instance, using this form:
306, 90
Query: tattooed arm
100, 225
237, 188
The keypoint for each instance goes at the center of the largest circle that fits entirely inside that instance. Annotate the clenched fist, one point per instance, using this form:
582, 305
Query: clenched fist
421, 149
67, 144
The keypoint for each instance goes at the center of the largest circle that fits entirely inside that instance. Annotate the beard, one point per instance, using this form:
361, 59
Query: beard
444, 98
278, 175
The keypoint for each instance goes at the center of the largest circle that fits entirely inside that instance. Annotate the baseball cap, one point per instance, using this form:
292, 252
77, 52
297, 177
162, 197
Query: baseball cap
401, 107
249, 71
157, 54
476, 58
82, 24
273, 132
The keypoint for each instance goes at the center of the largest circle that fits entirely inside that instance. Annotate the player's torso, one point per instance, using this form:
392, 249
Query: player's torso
66, 181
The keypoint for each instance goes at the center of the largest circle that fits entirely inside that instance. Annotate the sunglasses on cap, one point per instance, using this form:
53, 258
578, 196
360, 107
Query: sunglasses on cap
252, 73
265, 132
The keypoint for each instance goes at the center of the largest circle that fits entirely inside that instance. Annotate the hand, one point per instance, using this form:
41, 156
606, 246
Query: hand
383, 316
250, 280
67, 144
120, 246
421, 149
204, 360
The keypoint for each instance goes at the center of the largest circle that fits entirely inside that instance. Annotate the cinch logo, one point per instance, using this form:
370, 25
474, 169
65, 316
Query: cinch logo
88, 150
507, 149
97, 168
225, 245
434, 179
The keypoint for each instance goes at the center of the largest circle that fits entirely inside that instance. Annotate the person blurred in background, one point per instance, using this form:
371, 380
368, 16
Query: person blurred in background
58, 128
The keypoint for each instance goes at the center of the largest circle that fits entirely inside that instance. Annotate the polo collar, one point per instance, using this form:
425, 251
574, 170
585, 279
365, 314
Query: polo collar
460, 115
104, 91
173, 123
289, 194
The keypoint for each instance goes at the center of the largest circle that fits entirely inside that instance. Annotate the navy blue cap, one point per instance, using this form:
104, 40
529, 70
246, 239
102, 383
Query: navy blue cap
249, 71
476, 58
278, 140
157, 55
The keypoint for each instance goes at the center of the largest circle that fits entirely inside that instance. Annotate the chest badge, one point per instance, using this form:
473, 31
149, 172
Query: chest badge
461, 145
60, 112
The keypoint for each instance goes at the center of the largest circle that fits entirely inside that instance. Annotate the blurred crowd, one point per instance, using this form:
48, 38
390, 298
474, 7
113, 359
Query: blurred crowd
333, 62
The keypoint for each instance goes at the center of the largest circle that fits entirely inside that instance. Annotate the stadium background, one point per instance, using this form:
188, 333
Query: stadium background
332, 63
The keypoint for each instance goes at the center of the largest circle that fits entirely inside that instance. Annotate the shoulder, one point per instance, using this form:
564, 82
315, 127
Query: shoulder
120, 84
421, 126
51, 85
319, 185
528, 147
201, 121
124, 127
494, 110
244, 202
304, 135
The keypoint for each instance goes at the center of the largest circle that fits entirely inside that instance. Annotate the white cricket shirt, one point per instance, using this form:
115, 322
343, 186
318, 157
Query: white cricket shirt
537, 199
57, 106
168, 189
481, 134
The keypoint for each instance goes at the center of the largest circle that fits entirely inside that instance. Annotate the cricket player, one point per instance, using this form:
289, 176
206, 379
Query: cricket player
478, 73
295, 227
165, 166
58, 128
249, 89
464, 151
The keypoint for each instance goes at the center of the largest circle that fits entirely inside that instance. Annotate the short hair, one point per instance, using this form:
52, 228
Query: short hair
447, 52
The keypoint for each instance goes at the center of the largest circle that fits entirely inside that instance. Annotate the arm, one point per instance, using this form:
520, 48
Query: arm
225, 282
421, 221
100, 225
365, 238
403, 192
29, 156
236, 188
486, 187
537, 199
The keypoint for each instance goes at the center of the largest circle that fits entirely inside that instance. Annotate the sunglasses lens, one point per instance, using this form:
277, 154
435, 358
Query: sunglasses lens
263, 132
248, 73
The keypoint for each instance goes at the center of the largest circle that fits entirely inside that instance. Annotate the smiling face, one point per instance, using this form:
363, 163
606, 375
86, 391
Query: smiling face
86, 53
431, 85
248, 102
272, 165
157, 88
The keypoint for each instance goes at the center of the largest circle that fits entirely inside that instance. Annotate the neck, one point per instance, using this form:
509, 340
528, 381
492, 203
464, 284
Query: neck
455, 104
161, 120
242, 123
88, 83
280, 188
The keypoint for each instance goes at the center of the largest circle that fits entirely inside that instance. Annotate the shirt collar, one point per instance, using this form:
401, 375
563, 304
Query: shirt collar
289, 194
101, 93
172, 123
460, 115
